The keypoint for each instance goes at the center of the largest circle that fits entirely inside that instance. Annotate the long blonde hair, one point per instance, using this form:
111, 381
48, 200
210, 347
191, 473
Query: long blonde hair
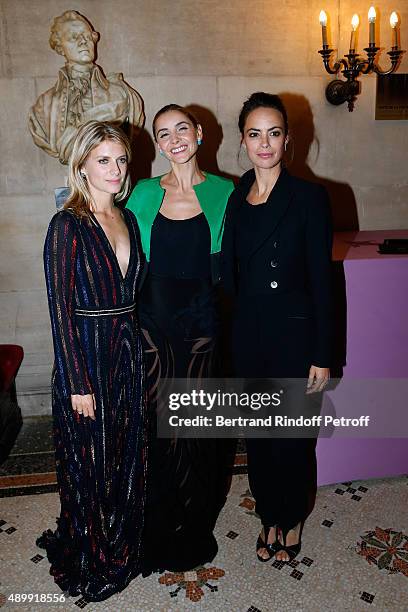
89, 136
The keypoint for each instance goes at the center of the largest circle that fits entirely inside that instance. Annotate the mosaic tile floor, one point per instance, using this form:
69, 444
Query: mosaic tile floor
30, 468
354, 558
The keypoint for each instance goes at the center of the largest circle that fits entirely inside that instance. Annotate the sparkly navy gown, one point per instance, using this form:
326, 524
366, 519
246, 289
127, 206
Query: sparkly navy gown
100, 464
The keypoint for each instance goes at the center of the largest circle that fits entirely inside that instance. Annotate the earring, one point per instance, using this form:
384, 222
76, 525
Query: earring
286, 144
199, 141
161, 152
83, 175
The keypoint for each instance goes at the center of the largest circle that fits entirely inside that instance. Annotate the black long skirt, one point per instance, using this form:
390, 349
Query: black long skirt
179, 325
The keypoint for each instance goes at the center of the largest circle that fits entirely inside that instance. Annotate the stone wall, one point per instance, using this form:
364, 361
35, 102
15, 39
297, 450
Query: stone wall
212, 55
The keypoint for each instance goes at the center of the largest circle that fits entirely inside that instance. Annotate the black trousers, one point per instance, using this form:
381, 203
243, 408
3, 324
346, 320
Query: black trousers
282, 471
282, 477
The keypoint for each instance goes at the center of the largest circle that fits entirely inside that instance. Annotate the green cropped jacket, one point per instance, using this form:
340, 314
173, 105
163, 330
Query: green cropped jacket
212, 194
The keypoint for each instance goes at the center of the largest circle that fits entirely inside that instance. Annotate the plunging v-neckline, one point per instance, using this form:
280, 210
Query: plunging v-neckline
115, 257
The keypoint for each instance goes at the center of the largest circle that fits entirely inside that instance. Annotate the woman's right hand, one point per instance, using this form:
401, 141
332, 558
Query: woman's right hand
84, 404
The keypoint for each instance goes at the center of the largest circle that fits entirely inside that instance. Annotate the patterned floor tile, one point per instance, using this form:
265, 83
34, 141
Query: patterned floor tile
354, 557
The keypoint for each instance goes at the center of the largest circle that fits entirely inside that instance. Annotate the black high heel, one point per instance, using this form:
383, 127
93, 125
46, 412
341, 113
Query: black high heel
272, 549
294, 549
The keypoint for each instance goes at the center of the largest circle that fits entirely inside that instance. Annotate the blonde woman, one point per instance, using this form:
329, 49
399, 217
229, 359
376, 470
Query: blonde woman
92, 263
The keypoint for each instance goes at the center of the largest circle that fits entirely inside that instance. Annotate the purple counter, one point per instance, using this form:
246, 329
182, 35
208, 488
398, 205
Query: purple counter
377, 347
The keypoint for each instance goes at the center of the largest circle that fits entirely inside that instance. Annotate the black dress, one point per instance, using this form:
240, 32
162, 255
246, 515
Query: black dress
96, 548
179, 323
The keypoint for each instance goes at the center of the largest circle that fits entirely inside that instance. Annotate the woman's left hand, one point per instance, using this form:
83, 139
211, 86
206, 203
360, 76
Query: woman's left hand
317, 380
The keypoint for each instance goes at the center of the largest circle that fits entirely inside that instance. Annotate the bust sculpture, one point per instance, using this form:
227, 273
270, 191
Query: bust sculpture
82, 91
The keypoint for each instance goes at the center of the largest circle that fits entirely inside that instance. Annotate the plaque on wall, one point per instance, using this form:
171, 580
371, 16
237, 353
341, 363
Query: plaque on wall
392, 97
61, 194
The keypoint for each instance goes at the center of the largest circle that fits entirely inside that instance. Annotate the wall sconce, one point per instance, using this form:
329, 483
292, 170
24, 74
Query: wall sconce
339, 91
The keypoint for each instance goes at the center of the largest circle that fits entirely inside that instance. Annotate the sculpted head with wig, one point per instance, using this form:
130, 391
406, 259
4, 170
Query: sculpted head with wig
74, 37
82, 92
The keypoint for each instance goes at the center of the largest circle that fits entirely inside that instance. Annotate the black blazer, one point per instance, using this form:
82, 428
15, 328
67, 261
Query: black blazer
290, 259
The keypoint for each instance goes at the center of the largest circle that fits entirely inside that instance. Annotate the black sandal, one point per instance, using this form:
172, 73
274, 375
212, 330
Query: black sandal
294, 549
272, 549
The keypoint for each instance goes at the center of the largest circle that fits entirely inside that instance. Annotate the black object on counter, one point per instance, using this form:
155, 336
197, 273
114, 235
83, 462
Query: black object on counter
395, 246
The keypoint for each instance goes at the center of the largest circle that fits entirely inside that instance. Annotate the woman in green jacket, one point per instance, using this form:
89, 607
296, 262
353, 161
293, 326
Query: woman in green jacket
180, 215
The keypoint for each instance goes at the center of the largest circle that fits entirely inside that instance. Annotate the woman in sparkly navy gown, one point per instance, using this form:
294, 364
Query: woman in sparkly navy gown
92, 264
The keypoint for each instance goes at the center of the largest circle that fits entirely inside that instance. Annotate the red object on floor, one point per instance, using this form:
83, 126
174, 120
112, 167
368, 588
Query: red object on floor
11, 356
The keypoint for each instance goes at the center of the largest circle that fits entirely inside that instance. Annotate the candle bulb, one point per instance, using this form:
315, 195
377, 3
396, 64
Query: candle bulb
394, 23
354, 25
371, 20
323, 23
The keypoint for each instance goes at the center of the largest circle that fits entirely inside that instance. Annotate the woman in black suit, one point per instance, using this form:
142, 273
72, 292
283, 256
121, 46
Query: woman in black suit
276, 262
